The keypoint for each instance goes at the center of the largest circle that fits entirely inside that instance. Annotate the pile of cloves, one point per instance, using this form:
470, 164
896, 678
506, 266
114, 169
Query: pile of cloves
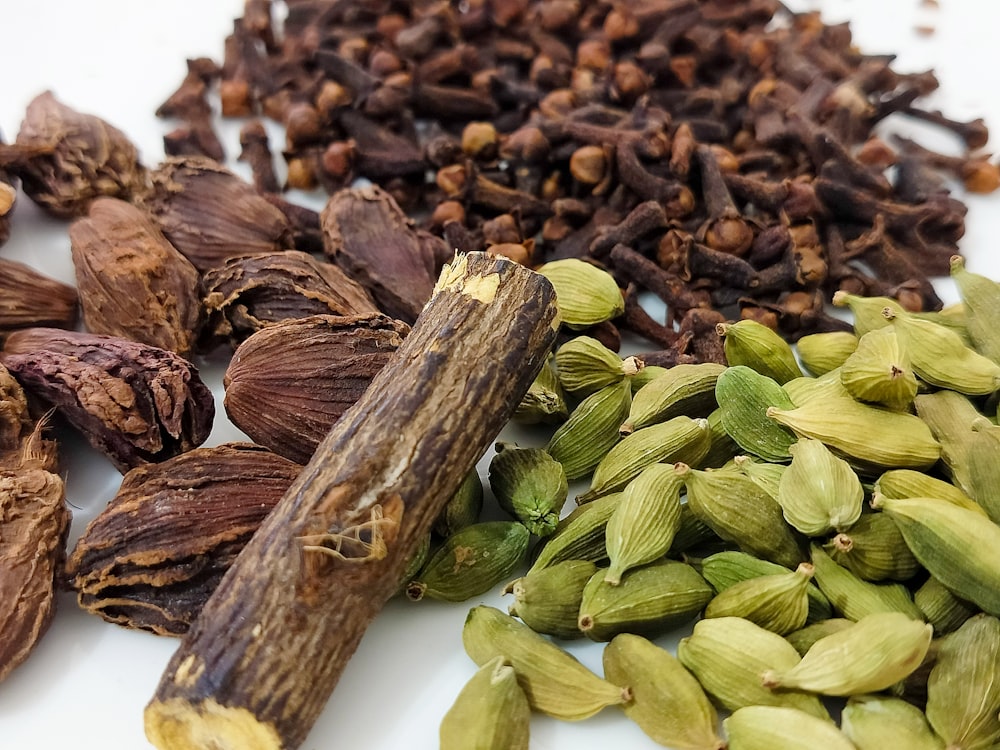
722, 155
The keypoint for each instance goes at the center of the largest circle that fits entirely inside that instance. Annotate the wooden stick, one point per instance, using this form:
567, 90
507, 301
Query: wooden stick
258, 665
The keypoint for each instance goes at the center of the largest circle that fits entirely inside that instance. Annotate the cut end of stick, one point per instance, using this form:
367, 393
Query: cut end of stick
179, 725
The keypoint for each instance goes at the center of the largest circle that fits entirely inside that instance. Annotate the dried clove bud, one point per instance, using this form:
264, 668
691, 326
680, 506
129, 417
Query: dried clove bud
246, 294
34, 520
308, 372
133, 283
65, 159
196, 512
210, 214
29, 298
133, 402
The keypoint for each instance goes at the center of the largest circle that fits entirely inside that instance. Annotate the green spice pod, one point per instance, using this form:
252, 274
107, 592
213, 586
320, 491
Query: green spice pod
867, 311
910, 483
981, 301
463, 508
678, 439
490, 713
530, 485
781, 728
416, 562
778, 602
950, 415
941, 358
585, 365
803, 390
554, 682
867, 436
585, 294
645, 375
721, 447
941, 608
591, 431
819, 492
956, 546
739, 511
548, 600
580, 535
691, 532
879, 370
765, 474
822, 352
855, 598
744, 396
682, 390
725, 569
803, 638
544, 403
729, 656
983, 470
760, 348
877, 722
642, 526
874, 653
471, 562
667, 702
963, 689
873, 548
648, 601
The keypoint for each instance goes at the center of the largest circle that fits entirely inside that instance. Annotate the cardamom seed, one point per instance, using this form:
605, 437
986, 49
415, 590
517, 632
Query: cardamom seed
490, 713
530, 485
760, 348
682, 390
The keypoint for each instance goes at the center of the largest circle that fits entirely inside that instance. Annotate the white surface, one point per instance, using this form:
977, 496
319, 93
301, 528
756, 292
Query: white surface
86, 684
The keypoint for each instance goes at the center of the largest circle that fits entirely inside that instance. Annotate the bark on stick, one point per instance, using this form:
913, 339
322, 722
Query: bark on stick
257, 667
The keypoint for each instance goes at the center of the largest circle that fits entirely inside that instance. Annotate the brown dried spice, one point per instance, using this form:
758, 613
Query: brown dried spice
65, 158
8, 195
210, 214
15, 419
133, 283
158, 550
246, 294
307, 372
29, 298
34, 520
133, 402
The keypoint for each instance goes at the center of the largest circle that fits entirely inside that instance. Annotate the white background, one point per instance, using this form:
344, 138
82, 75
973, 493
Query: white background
86, 684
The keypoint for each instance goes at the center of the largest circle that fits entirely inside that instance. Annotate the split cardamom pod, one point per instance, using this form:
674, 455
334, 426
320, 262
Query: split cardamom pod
530, 485
490, 713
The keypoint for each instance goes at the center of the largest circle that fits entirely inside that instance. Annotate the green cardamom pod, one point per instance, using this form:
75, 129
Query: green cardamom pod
678, 439
963, 688
867, 311
727, 568
591, 431
729, 656
877, 722
983, 470
879, 370
417, 561
951, 316
585, 294
956, 546
803, 638
765, 474
579, 536
940, 357
941, 608
585, 365
744, 396
981, 301
760, 348
805, 390
645, 375
463, 508
950, 415
642, 527
855, 598
471, 562
781, 728
910, 483
871, 655
490, 713
873, 548
822, 352
778, 602
682, 390
649, 601
819, 492
739, 511
691, 532
544, 403
555, 683
548, 600
530, 485
667, 702
721, 447
867, 436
